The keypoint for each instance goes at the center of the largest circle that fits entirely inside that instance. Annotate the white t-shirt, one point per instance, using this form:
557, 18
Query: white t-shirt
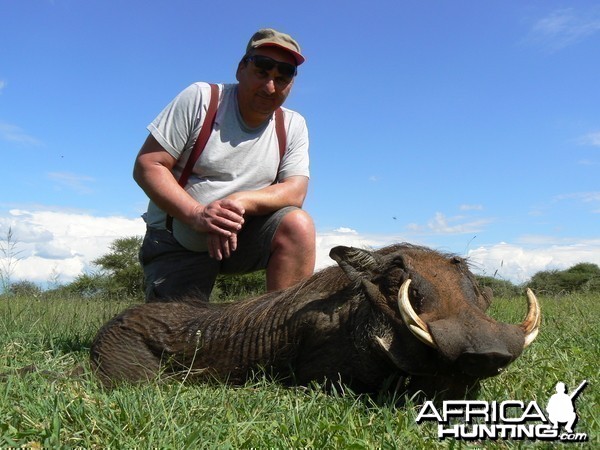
236, 157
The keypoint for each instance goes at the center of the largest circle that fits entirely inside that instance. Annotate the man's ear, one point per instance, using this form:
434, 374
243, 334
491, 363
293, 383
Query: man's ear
241, 65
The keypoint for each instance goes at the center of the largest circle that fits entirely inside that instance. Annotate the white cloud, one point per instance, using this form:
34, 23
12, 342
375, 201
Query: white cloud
440, 224
471, 207
588, 197
77, 183
63, 244
13, 133
582, 197
53, 251
2, 85
564, 27
586, 162
518, 263
345, 230
592, 139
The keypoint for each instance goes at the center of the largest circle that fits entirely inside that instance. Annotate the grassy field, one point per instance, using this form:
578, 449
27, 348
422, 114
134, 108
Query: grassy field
42, 410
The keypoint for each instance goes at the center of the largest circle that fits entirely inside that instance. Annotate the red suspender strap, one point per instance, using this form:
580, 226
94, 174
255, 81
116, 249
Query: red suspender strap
205, 131
207, 126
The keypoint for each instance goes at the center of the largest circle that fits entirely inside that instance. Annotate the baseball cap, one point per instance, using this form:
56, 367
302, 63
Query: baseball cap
268, 37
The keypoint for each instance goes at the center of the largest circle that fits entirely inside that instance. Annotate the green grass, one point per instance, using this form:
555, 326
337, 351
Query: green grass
39, 409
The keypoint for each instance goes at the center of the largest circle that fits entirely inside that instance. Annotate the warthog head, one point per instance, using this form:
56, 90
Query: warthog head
402, 311
432, 322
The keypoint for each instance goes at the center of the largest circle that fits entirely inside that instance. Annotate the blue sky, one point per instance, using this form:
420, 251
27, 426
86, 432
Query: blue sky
471, 127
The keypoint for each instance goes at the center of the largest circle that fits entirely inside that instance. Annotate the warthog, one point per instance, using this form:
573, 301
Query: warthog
403, 310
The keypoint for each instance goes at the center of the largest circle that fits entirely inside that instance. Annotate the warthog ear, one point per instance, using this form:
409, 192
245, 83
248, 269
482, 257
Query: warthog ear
359, 265
355, 262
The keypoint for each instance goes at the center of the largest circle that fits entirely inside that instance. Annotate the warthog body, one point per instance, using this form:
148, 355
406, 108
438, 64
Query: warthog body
349, 323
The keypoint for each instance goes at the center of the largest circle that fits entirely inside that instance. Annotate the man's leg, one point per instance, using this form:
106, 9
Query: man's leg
172, 272
283, 243
292, 251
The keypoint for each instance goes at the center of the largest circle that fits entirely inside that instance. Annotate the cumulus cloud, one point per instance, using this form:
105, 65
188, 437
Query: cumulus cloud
519, 262
62, 244
564, 27
345, 230
51, 250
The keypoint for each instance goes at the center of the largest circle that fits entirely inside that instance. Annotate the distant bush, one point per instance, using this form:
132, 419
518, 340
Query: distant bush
500, 288
582, 277
122, 268
85, 286
25, 288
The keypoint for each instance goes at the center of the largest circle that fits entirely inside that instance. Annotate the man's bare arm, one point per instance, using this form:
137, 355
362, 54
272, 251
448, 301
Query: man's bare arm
153, 172
289, 192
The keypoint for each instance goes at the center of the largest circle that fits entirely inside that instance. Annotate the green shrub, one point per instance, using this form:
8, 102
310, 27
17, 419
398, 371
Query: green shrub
25, 288
582, 277
122, 268
500, 288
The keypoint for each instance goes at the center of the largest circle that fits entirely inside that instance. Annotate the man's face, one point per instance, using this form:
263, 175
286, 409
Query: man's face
261, 91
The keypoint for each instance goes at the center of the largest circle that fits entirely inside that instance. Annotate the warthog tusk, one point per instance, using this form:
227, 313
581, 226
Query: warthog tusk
410, 317
531, 324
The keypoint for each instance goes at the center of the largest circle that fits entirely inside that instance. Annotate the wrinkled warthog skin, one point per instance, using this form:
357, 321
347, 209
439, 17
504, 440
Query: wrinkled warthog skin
341, 325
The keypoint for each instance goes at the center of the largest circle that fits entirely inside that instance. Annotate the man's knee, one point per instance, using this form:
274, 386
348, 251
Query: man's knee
297, 227
293, 251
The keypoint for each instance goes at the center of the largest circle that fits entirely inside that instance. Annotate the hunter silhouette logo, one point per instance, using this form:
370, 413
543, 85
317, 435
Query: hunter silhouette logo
509, 419
561, 406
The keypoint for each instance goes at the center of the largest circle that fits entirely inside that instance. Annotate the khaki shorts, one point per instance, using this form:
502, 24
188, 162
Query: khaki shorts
171, 271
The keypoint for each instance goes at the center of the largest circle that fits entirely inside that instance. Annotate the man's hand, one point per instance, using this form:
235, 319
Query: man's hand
220, 247
221, 217
222, 220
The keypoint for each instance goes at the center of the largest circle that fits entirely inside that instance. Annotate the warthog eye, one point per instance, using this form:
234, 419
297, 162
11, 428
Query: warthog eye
417, 299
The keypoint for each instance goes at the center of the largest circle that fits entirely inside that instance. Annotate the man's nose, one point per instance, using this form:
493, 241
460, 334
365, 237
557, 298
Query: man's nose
269, 85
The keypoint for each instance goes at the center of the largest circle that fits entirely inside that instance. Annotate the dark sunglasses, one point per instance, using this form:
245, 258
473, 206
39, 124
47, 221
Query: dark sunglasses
266, 63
